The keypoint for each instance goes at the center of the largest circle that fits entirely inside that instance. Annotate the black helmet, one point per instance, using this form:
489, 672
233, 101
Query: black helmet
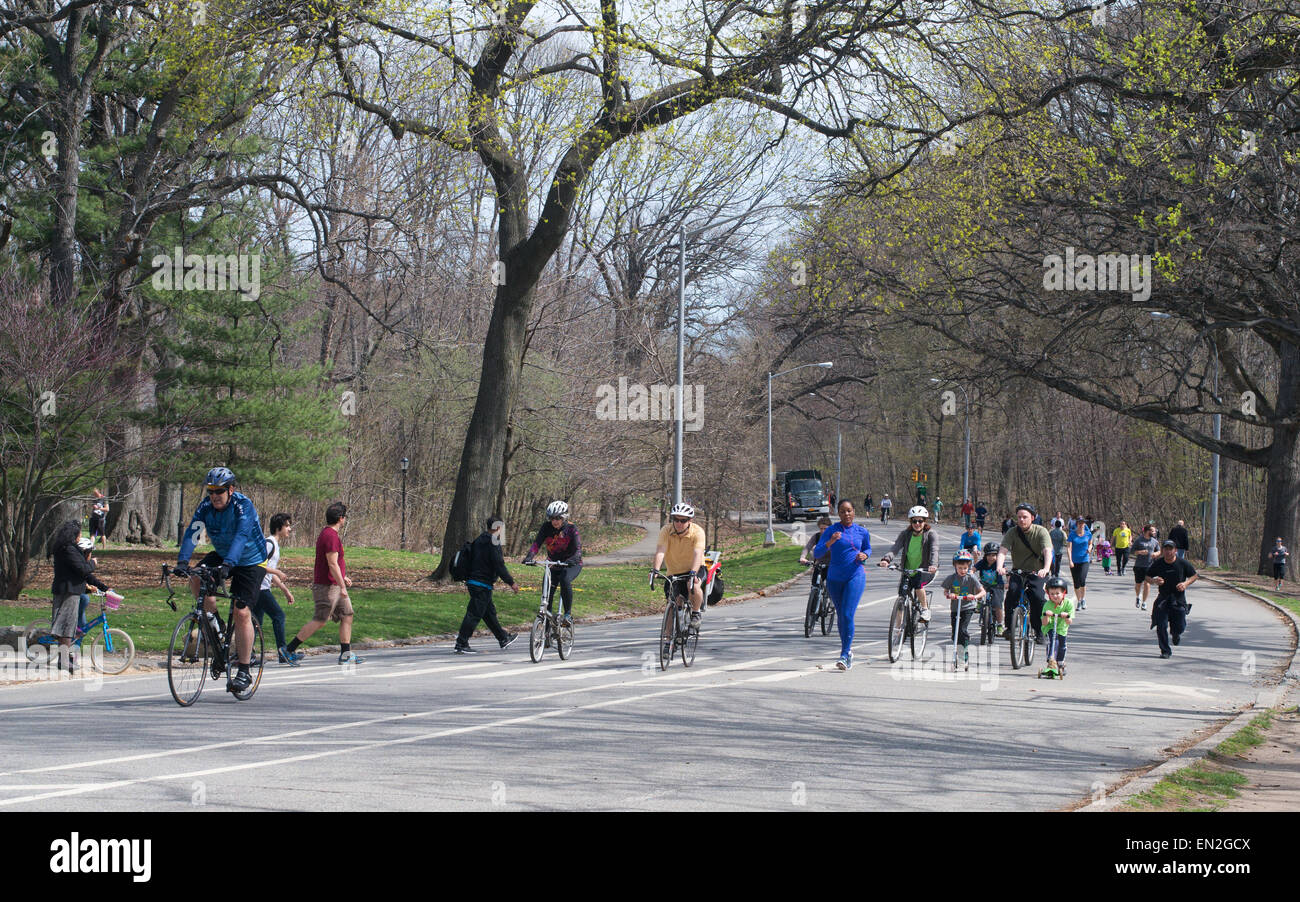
1027, 507
218, 477
992, 547
1057, 582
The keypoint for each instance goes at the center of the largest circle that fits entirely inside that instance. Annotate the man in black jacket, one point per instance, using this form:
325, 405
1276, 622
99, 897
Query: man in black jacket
1182, 542
487, 563
1169, 614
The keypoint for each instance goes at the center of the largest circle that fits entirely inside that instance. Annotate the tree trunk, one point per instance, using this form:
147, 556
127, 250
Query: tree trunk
129, 505
169, 512
481, 461
1282, 507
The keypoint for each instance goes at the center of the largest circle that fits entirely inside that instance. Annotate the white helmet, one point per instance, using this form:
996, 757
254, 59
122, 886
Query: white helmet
557, 509
86, 544
682, 509
918, 511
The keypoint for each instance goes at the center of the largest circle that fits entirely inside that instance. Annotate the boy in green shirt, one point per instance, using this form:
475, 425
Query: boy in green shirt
1057, 614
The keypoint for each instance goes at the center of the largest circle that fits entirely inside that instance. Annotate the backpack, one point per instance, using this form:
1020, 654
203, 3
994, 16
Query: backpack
461, 563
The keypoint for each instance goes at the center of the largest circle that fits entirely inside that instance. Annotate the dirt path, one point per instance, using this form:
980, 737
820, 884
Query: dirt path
1272, 768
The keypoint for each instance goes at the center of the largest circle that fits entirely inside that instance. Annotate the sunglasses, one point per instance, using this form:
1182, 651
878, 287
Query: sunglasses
681, 520
918, 521
217, 491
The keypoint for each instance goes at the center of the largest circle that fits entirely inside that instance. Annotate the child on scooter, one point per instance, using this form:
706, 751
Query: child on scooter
964, 591
1058, 612
1104, 551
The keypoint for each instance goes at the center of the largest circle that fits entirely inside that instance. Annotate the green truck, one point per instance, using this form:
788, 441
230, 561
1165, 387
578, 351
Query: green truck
799, 493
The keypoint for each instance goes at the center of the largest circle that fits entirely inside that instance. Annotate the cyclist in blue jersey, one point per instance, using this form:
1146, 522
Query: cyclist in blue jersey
232, 526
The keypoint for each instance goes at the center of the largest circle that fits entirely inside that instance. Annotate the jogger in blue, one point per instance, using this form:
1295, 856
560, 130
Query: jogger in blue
849, 547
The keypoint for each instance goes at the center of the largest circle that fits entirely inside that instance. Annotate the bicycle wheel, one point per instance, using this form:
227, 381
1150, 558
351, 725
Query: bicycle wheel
537, 638
920, 629
257, 659
689, 639
666, 633
564, 639
1027, 651
828, 614
113, 660
810, 613
188, 655
897, 629
32, 635
1015, 629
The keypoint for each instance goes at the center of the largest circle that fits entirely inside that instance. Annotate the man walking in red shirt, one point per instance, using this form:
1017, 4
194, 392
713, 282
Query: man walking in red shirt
967, 509
330, 584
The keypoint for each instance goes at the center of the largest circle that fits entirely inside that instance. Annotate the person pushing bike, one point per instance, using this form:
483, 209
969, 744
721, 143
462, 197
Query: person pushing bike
240, 551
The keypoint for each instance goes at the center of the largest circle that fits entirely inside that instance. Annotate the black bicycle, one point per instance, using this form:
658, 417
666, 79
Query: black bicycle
1020, 630
201, 643
988, 623
905, 621
676, 632
819, 604
549, 628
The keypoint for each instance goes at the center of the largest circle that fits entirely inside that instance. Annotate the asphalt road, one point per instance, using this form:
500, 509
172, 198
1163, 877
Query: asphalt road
761, 722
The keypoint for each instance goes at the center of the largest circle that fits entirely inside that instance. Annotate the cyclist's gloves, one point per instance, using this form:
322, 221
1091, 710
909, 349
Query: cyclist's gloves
528, 559
225, 569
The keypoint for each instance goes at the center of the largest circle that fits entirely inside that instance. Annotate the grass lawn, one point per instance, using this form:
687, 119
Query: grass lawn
1206, 785
422, 609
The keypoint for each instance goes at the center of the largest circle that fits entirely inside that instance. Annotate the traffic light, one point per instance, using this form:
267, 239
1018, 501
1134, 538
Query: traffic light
916, 474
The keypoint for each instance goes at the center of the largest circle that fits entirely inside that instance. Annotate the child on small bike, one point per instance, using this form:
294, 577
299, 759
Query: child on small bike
987, 573
964, 591
1058, 612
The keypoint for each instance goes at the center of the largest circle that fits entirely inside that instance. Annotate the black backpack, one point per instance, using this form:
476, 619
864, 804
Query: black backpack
461, 563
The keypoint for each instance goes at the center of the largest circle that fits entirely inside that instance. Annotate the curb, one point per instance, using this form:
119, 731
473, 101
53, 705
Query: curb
1265, 699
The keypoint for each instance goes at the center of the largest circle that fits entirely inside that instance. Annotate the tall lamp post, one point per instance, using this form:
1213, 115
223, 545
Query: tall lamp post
965, 479
406, 465
180, 514
769, 538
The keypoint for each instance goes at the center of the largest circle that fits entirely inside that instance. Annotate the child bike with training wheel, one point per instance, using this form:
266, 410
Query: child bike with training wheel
964, 591
1058, 613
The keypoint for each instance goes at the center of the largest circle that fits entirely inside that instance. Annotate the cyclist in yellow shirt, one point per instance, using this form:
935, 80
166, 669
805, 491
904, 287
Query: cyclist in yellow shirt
681, 550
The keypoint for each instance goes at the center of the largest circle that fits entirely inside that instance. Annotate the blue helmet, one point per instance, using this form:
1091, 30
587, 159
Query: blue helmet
219, 476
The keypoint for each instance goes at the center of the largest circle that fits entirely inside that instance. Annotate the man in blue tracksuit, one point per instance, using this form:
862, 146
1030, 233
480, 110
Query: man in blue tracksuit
231, 523
849, 546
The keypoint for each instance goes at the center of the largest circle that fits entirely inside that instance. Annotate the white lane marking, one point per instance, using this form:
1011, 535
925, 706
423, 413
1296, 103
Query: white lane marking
380, 743
535, 668
48, 786
784, 675
604, 671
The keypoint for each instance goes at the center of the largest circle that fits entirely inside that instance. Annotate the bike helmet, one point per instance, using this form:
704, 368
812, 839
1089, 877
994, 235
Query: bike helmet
1027, 507
962, 555
1057, 582
992, 547
682, 509
918, 511
557, 509
218, 477
86, 544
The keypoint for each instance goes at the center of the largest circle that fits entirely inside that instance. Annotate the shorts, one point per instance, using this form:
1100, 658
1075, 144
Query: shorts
1079, 574
65, 616
245, 582
330, 603
1139, 575
1279, 571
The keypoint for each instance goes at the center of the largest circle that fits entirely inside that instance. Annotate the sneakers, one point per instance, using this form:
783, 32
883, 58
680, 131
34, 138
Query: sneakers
844, 663
566, 619
1144, 605
1176, 637
1166, 654
1002, 631
289, 657
510, 638
966, 658
925, 615
240, 681
1083, 606
464, 650
1137, 601
350, 657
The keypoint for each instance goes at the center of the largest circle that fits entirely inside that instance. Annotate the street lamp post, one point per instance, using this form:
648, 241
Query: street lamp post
769, 538
180, 514
406, 465
965, 479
